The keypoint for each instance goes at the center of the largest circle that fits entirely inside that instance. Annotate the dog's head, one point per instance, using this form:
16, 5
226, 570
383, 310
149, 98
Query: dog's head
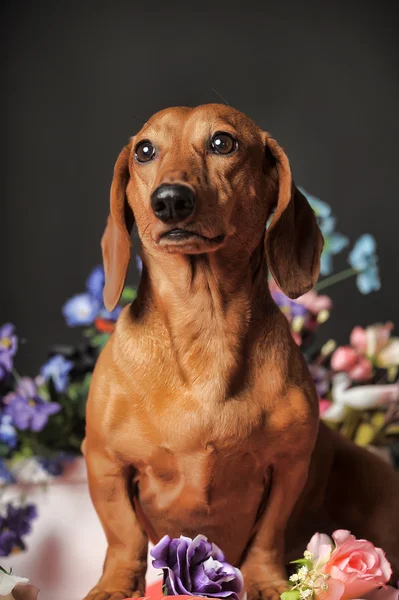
195, 180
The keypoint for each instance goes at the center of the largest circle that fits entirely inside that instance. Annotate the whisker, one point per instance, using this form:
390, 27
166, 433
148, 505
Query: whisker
220, 96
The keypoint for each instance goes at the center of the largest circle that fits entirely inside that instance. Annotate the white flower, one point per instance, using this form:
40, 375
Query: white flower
364, 397
308, 555
294, 577
8, 583
306, 594
303, 573
29, 470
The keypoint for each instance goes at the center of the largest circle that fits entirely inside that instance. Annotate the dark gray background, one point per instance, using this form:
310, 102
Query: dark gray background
322, 77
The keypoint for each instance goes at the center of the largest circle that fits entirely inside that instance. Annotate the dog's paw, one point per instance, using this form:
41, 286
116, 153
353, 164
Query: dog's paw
268, 590
98, 594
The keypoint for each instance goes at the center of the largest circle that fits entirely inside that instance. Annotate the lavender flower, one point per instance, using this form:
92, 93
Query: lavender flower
26, 408
57, 368
196, 568
8, 348
139, 264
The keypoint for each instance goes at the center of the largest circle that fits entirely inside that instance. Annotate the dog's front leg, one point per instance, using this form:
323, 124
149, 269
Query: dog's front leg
263, 567
126, 561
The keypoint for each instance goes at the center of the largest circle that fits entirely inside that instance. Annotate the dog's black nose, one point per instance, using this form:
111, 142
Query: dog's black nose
172, 202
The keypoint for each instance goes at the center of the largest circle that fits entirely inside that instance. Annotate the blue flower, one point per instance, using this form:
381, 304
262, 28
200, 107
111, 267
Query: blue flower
364, 260
5, 474
8, 434
55, 465
334, 242
58, 369
139, 263
110, 316
95, 283
321, 209
81, 309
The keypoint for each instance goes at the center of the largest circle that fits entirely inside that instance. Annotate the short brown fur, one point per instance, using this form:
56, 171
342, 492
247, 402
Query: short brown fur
202, 416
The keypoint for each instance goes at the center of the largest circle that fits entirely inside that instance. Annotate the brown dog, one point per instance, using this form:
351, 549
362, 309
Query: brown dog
202, 413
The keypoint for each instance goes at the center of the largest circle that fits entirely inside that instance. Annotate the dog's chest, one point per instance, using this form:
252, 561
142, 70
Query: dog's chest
201, 462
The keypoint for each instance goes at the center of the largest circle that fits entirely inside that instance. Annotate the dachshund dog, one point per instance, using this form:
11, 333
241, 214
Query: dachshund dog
202, 416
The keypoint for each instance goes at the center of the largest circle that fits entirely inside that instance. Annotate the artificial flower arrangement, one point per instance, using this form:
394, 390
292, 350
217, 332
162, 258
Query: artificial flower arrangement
341, 568
42, 418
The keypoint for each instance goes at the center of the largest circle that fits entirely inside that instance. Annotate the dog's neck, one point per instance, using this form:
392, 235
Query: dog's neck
206, 303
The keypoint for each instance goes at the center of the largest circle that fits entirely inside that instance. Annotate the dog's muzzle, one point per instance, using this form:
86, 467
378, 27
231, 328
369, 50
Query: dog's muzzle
173, 203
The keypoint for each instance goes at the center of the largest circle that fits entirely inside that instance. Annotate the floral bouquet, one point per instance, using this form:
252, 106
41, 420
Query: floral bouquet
357, 383
42, 419
341, 568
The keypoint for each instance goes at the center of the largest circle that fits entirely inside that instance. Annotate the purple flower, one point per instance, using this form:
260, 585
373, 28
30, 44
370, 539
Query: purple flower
10, 542
139, 264
26, 408
57, 368
95, 283
287, 306
55, 465
8, 348
321, 379
196, 568
81, 309
8, 435
15, 524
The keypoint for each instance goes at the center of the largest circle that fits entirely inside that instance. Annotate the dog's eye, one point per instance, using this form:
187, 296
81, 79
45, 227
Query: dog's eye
223, 143
144, 152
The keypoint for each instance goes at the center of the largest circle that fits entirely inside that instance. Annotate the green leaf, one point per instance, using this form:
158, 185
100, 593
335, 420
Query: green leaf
128, 295
304, 562
100, 339
4, 450
73, 391
89, 332
291, 595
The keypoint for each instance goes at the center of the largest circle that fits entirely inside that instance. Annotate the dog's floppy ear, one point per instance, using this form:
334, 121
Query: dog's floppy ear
116, 243
293, 241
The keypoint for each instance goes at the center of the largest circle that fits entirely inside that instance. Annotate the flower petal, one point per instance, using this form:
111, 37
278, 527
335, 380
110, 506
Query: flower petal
389, 356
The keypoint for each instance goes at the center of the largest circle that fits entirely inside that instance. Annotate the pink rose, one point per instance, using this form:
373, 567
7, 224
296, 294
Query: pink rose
372, 340
348, 360
358, 339
344, 359
362, 371
356, 567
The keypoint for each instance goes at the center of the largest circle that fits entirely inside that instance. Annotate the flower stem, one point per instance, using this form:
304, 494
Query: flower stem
324, 283
16, 375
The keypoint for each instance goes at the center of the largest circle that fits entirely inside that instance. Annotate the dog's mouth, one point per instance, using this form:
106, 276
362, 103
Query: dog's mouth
184, 237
